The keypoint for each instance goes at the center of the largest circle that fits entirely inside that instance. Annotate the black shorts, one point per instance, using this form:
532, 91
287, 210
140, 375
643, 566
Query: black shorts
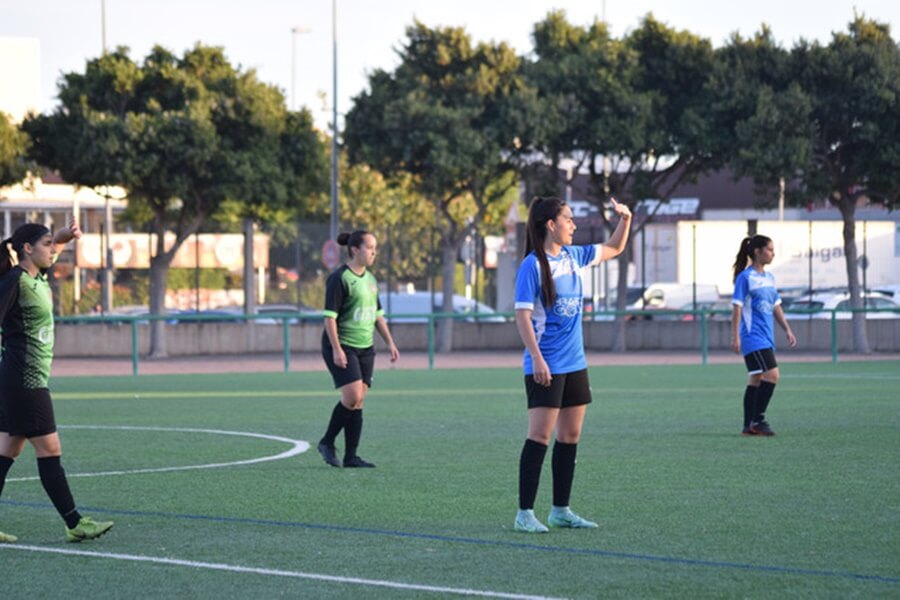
566, 389
360, 364
26, 412
760, 361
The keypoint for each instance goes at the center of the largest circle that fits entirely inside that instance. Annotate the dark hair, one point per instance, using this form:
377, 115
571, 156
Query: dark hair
541, 211
352, 240
29, 233
749, 246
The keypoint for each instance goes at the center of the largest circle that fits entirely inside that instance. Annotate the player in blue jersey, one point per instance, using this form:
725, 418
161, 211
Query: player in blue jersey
756, 304
549, 299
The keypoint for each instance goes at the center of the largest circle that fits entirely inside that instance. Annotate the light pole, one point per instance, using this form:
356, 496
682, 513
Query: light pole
334, 126
298, 29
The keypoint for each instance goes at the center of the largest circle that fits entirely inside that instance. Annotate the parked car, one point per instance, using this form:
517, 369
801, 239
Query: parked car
892, 291
420, 303
819, 306
673, 296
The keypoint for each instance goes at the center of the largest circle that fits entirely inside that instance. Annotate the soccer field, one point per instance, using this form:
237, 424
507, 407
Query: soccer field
215, 492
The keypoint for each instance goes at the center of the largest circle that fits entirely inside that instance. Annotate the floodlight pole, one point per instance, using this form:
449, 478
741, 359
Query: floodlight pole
333, 229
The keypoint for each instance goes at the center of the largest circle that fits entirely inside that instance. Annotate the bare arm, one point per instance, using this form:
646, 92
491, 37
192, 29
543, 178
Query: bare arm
735, 329
779, 317
619, 239
340, 358
66, 234
542, 374
385, 333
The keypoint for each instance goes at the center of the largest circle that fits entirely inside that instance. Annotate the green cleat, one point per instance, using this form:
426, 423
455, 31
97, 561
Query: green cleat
6, 538
563, 517
87, 529
526, 522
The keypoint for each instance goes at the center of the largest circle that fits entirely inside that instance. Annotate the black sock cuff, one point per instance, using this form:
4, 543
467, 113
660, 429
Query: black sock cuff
533, 445
343, 409
564, 450
49, 461
766, 385
6, 461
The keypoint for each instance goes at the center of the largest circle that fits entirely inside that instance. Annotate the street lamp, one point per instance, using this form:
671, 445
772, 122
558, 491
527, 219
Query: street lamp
298, 29
334, 126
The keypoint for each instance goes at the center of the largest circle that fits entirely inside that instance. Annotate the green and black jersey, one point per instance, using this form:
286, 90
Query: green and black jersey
352, 300
26, 317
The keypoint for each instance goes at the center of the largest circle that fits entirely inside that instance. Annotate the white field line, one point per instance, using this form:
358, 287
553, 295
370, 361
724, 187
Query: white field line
298, 447
396, 585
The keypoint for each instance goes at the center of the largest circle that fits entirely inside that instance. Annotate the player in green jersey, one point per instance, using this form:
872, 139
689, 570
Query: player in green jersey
26, 410
352, 314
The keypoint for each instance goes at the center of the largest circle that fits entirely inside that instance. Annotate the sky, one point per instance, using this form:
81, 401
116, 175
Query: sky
258, 34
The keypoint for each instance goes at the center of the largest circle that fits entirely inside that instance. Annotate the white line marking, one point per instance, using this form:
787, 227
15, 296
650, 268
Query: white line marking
298, 447
397, 585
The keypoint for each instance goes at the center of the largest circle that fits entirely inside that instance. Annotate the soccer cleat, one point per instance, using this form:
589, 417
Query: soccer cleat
761, 428
747, 431
329, 454
526, 522
6, 538
563, 517
355, 462
87, 529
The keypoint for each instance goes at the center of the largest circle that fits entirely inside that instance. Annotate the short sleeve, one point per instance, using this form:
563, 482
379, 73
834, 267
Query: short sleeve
9, 292
528, 283
334, 295
741, 288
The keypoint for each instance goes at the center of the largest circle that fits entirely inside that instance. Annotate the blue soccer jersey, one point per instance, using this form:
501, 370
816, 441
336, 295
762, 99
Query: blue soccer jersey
755, 292
557, 328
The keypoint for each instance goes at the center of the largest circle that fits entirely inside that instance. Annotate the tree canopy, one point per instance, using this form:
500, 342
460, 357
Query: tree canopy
182, 135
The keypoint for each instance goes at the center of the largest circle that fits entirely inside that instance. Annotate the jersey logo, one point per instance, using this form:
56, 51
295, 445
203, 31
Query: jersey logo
567, 307
45, 335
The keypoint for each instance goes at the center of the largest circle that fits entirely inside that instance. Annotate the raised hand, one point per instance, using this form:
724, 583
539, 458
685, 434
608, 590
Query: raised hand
620, 209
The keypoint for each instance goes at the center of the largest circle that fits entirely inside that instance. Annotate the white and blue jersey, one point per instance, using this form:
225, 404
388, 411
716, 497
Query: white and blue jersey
557, 328
755, 292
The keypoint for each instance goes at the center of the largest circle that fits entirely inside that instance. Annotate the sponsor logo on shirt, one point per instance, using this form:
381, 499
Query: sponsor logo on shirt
567, 307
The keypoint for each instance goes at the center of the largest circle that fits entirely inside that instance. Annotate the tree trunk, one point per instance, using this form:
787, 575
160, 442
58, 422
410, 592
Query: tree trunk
847, 206
618, 341
444, 340
159, 275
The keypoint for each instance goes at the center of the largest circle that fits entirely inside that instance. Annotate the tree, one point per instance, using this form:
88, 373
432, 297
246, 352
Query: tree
442, 116
632, 112
183, 136
13, 148
832, 129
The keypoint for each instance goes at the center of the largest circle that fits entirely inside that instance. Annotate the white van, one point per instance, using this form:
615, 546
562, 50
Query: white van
419, 303
676, 296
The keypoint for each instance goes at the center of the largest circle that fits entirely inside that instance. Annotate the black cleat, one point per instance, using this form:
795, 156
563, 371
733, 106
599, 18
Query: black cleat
761, 428
355, 462
329, 455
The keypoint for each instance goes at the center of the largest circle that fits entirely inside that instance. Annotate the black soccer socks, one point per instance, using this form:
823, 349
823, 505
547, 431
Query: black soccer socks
339, 417
352, 433
530, 463
53, 478
763, 396
5, 464
563, 463
749, 405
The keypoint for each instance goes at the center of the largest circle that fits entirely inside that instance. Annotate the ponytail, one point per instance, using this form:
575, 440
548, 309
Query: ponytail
8, 258
746, 252
540, 212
